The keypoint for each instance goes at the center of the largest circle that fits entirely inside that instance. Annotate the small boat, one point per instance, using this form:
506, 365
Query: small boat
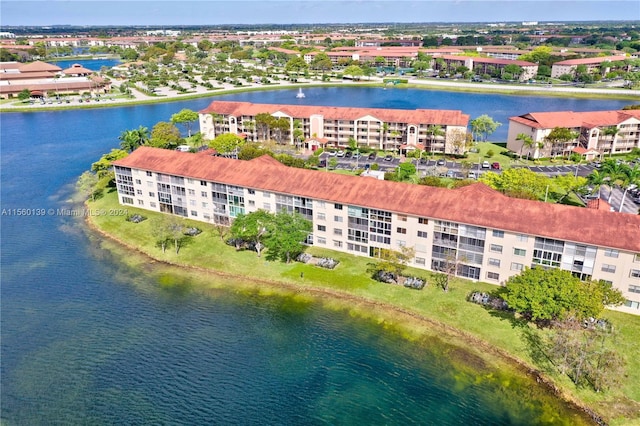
300, 95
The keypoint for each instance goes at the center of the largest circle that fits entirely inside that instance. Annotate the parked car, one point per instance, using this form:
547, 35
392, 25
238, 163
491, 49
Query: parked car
486, 165
340, 153
347, 154
372, 156
356, 155
451, 174
331, 153
495, 166
471, 175
389, 157
441, 162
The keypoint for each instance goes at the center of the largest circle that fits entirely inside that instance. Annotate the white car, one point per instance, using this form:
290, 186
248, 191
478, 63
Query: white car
340, 153
486, 165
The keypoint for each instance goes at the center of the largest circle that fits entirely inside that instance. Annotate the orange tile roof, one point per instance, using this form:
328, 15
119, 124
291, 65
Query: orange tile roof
39, 66
475, 204
570, 119
430, 116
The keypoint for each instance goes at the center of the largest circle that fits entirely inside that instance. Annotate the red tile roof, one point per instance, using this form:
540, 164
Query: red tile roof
39, 66
431, 116
570, 119
474, 204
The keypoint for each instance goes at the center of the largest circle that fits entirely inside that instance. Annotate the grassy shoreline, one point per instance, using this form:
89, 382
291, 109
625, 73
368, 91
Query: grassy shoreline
481, 89
415, 313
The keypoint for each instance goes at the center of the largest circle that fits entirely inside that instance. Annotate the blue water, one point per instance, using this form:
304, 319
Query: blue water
92, 64
88, 340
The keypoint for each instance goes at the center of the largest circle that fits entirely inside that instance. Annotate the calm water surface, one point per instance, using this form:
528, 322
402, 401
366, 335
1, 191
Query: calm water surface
92, 64
88, 340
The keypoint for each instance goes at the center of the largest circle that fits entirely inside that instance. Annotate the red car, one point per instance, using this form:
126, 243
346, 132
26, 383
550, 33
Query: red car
495, 166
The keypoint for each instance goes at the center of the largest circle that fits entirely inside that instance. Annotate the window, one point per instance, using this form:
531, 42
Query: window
634, 288
338, 219
152, 194
138, 182
140, 203
338, 206
337, 231
266, 194
251, 191
635, 273
633, 305
522, 238
194, 213
203, 183
189, 180
402, 217
517, 266
494, 262
636, 258
495, 248
320, 216
401, 243
322, 228
321, 240
498, 234
192, 203
423, 221
203, 194
422, 234
519, 252
138, 191
401, 230
611, 253
337, 243
192, 192
150, 184
266, 206
149, 174
493, 276
205, 205
420, 261
152, 204
608, 268
127, 200
252, 203
320, 204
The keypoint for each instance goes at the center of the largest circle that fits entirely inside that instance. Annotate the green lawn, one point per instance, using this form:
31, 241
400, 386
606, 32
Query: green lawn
444, 310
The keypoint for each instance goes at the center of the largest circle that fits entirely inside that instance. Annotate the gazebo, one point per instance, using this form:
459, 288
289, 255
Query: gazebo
77, 70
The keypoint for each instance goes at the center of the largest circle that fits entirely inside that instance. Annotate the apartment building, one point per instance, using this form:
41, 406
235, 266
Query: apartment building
482, 65
601, 64
607, 132
490, 237
387, 129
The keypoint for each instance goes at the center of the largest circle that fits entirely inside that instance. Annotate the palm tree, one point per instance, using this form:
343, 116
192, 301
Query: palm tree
526, 141
611, 131
132, 139
434, 130
384, 129
597, 179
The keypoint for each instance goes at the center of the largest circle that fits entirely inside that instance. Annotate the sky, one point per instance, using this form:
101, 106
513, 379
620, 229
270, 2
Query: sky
214, 12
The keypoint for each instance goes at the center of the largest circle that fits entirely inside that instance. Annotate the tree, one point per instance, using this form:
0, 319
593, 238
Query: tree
434, 131
252, 228
103, 167
264, 122
175, 229
405, 170
560, 135
484, 126
160, 232
86, 185
296, 64
165, 135
322, 62
185, 117
286, 236
24, 95
391, 261
518, 183
132, 139
226, 142
542, 295
354, 71
527, 141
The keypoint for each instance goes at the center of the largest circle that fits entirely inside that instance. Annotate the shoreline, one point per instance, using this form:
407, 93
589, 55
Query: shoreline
446, 86
365, 307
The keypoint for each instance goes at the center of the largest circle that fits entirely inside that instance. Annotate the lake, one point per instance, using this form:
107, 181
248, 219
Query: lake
91, 64
89, 339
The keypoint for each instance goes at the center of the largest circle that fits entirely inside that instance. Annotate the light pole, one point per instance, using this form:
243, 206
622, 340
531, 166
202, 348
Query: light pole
624, 194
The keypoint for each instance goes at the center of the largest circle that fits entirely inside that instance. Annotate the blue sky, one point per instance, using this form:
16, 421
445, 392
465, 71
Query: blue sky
202, 12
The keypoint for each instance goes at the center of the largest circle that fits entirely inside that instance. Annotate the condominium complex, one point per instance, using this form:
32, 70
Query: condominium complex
442, 131
489, 236
601, 64
598, 132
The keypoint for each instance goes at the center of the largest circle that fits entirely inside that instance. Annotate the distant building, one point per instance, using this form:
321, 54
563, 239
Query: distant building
569, 66
388, 129
607, 132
